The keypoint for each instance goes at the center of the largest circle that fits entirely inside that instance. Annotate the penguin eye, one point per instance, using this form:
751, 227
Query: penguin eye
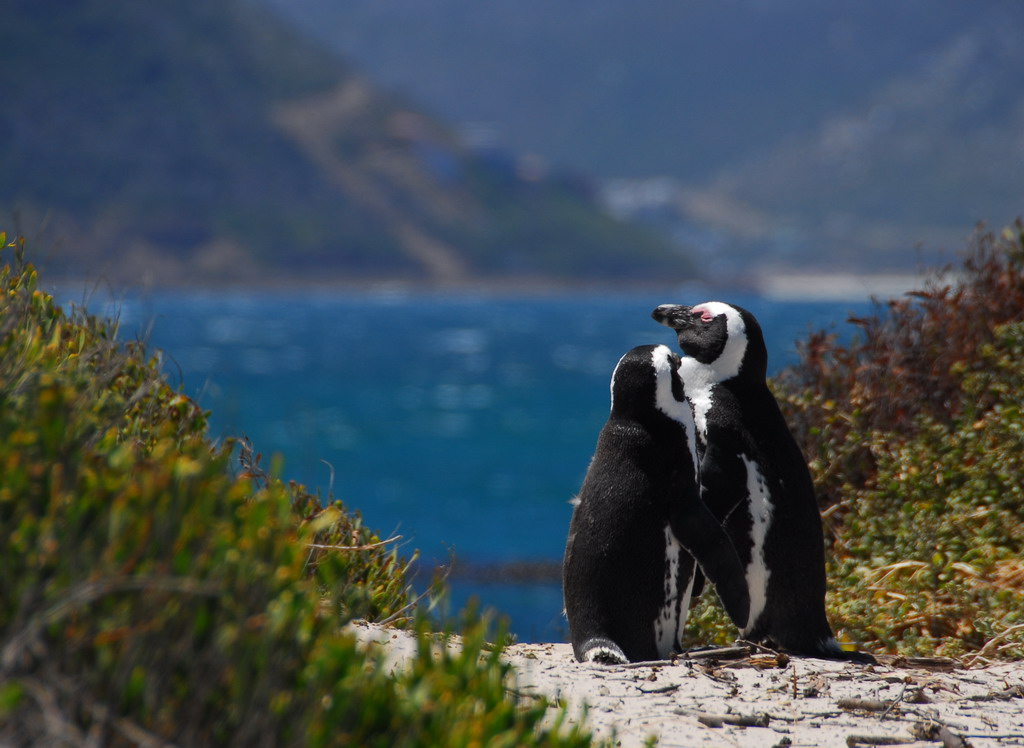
705, 314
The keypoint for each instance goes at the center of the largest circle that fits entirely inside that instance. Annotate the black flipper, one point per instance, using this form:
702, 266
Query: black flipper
697, 530
698, 585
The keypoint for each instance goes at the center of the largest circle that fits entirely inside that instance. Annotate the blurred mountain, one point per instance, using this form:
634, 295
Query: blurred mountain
204, 140
936, 147
792, 131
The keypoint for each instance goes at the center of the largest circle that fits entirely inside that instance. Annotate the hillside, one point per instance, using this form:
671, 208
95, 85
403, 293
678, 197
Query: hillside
927, 154
788, 127
186, 141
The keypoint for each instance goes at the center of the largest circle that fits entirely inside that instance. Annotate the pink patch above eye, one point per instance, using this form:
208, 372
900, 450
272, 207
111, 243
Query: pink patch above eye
705, 314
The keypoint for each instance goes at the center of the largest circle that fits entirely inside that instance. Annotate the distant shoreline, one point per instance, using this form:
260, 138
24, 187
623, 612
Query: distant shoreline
775, 286
839, 286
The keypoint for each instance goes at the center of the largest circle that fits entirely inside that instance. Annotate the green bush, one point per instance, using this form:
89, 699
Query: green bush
908, 359
914, 435
929, 557
147, 593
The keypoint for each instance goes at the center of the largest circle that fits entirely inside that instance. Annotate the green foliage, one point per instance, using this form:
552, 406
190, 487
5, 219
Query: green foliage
148, 594
929, 555
708, 623
909, 360
916, 443
445, 696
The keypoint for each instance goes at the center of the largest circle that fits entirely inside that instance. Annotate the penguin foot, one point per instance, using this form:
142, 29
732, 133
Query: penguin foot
830, 649
604, 652
825, 649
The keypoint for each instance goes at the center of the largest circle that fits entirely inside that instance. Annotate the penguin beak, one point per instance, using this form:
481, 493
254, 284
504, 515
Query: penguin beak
673, 315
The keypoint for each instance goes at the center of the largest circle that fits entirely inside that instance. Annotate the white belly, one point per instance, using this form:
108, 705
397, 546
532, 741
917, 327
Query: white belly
761, 518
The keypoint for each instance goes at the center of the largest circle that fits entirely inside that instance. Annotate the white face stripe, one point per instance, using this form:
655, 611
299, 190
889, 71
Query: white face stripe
678, 411
760, 518
727, 365
668, 625
611, 385
699, 379
698, 384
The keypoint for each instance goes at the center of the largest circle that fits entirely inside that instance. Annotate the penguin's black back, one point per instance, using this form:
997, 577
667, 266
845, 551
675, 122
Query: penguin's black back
613, 576
615, 557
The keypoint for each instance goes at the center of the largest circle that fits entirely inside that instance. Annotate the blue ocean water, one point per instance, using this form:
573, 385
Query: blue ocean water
463, 423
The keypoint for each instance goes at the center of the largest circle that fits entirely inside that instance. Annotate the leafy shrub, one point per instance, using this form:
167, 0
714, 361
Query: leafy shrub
906, 360
929, 557
147, 594
914, 435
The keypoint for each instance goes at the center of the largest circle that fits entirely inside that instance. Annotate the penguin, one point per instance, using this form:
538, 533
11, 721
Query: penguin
753, 476
638, 523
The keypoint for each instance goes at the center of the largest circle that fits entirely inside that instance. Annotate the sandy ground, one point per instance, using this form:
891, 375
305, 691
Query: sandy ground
744, 698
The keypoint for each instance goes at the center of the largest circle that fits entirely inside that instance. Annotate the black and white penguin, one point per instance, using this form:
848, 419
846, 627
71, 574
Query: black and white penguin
754, 477
638, 523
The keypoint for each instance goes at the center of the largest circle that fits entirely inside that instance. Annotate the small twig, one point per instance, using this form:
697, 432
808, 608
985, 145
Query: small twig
139, 736
866, 705
990, 736
932, 730
706, 672
806, 715
855, 740
1013, 692
894, 702
717, 720
249, 459
648, 663
57, 725
942, 664
759, 647
721, 653
660, 689
102, 717
97, 730
367, 547
519, 694
330, 482
759, 661
871, 705
992, 645
398, 613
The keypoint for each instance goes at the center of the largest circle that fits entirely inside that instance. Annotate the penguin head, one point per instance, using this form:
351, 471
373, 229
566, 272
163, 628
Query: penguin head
723, 338
645, 380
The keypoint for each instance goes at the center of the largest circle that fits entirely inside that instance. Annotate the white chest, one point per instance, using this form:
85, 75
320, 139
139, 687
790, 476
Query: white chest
760, 505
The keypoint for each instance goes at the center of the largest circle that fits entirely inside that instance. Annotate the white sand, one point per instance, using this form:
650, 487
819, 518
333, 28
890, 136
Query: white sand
796, 701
